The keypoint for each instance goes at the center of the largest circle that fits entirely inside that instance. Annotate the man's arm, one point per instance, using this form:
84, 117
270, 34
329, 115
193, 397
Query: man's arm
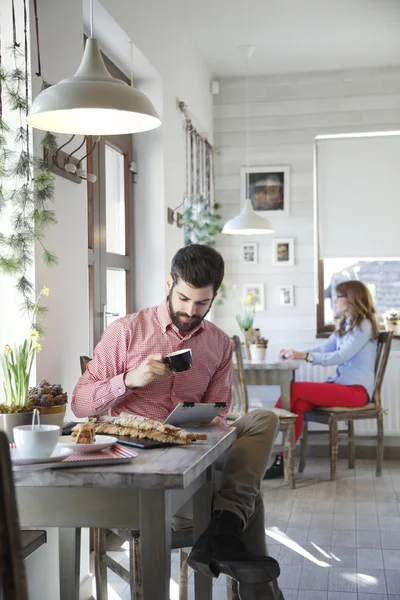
220, 387
102, 384
106, 380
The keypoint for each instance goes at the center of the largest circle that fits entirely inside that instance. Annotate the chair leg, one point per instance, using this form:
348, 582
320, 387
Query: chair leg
334, 445
135, 570
351, 445
235, 590
183, 575
100, 569
380, 448
290, 454
303, 446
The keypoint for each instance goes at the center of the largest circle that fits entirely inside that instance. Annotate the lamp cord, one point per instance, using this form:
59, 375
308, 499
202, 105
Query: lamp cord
91, 18
247, 125
131, 44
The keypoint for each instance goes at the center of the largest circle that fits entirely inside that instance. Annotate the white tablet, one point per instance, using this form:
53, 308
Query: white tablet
194, 413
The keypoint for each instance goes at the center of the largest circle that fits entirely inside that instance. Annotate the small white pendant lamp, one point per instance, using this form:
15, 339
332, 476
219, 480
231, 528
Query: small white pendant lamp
92, 102
248, 222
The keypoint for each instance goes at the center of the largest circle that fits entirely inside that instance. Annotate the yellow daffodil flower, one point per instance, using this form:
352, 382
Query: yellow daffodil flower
46, 291
8, 349
33, 335
37, 347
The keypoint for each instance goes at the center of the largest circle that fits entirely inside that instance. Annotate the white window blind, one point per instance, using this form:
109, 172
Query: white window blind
358, 196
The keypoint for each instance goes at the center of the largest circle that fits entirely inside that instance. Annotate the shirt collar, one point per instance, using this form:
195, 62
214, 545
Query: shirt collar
166, 323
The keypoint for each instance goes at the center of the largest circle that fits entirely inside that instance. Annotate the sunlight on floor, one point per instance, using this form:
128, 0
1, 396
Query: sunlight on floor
282, 538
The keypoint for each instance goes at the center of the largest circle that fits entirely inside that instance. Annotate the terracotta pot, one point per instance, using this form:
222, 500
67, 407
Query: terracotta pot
52, 415
8, 422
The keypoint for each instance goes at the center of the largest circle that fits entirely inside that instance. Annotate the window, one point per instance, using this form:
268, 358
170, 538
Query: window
381, 276
110, 234
110, 228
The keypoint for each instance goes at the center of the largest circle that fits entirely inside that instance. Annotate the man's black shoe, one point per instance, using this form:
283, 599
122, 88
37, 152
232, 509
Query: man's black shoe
220, 549
275, 470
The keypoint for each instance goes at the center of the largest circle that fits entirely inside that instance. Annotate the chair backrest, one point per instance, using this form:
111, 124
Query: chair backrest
382, 357
84, 360
239, 374
12, 569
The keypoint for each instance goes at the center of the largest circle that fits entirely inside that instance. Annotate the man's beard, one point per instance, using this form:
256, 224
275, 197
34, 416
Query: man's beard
176, 318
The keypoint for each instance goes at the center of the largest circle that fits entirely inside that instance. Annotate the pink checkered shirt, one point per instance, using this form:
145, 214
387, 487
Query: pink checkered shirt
125, 345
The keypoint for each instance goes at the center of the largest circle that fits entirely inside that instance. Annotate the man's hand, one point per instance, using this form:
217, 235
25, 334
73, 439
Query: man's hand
292, 354
153, 367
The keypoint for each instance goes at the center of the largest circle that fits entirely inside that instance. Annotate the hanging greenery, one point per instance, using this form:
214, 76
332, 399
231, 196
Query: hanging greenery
202, 222
26, 185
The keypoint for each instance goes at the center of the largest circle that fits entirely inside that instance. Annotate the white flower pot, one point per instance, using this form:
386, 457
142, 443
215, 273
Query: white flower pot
257, 352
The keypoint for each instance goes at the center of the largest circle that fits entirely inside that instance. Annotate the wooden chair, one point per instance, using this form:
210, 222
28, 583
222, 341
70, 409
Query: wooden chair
287, 419
13, 584
333, 415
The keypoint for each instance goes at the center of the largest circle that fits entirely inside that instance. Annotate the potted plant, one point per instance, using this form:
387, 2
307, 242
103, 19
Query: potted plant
17, 401
392, 321
245, 320
258, 348
50, 400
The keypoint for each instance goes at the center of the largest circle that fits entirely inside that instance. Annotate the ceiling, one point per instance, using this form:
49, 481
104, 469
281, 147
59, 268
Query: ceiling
294, 35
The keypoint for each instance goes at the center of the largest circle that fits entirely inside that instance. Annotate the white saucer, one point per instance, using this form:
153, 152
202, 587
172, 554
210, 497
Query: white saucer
101, 443
58, 455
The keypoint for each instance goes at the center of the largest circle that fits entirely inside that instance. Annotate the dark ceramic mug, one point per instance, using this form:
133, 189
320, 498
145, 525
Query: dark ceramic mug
179, 361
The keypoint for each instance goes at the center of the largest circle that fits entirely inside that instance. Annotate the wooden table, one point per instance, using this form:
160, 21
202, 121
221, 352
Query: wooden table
141, 495
279, 372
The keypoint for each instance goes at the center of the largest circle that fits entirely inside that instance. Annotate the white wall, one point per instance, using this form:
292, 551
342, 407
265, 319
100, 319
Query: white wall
286, 113
161, 176
157, 29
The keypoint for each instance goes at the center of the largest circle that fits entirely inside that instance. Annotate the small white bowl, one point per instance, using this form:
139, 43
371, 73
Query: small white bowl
36, 442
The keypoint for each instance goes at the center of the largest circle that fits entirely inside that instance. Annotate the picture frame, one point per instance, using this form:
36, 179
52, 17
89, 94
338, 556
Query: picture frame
268, 189
283, 252
256, 290
286, 295
249, 253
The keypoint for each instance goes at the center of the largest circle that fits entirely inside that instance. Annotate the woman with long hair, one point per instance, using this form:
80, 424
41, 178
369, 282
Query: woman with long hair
352, 347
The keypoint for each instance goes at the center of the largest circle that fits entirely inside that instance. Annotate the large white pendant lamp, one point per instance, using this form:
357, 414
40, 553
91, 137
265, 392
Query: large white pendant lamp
92, 102
248, 222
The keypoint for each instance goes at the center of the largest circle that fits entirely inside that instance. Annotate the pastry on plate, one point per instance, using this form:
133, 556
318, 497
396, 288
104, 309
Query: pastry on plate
83, 433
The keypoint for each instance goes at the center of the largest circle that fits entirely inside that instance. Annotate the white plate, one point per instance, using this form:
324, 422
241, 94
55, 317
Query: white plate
59, 453
101, 442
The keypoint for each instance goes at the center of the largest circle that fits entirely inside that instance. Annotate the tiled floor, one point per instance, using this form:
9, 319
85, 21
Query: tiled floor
334, 540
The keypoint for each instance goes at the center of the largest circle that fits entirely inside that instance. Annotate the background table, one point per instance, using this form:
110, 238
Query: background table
279, 372
141, 495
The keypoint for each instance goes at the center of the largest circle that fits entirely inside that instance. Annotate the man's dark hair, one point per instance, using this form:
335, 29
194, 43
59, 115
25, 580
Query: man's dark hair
198, 266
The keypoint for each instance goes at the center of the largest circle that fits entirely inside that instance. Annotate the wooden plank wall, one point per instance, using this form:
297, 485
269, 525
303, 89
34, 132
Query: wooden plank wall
286, 113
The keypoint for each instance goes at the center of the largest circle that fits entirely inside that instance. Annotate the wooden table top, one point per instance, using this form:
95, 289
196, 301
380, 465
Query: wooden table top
169, 468
272, 365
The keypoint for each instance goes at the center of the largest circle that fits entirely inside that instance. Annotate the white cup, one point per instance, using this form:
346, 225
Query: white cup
36, 442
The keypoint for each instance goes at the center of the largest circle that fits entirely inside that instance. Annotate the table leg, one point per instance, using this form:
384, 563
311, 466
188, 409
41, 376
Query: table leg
155, 540
70, 559
202, 501
285, 380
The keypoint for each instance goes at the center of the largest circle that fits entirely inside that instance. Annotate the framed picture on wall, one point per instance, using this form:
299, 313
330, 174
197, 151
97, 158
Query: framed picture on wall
253, 293
283, 252
268, 189
286, 296
249, 254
